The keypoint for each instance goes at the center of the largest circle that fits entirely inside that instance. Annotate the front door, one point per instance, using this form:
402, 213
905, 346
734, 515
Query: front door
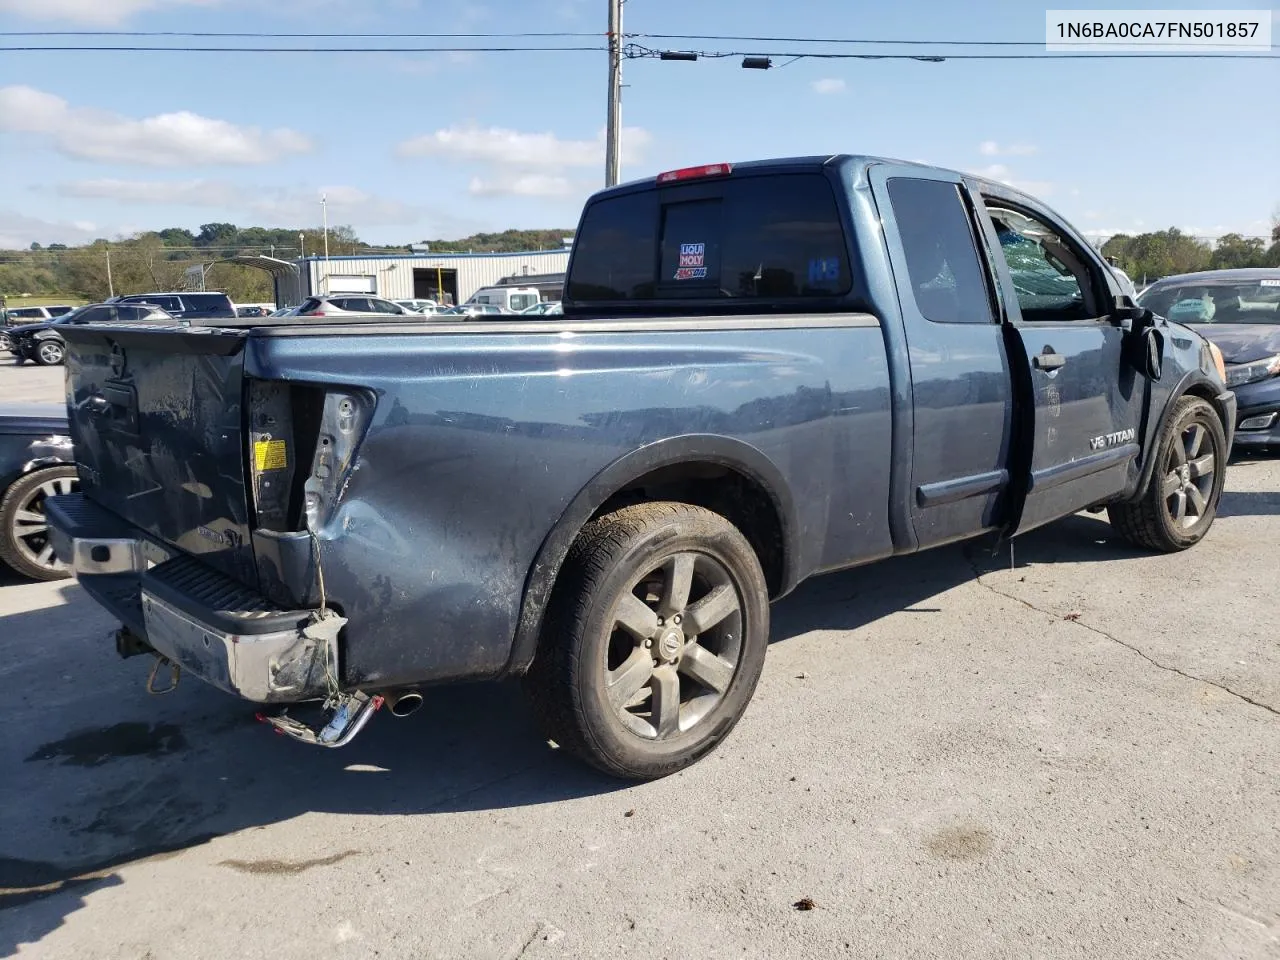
961, 383
1084, 401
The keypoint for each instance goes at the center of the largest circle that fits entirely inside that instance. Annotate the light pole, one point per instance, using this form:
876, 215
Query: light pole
111, 287
613, 131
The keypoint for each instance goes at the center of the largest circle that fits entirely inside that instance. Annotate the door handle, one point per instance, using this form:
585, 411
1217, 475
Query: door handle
1050, 361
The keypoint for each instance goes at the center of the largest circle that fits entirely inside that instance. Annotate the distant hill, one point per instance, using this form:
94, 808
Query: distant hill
508, 241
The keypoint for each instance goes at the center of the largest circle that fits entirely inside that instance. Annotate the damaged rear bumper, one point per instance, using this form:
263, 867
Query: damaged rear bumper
211, 625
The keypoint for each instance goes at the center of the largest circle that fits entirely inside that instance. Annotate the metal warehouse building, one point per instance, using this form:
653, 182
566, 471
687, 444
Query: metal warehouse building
456, 276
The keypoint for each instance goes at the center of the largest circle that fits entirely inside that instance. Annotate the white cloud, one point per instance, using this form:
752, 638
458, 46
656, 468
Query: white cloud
167, 139
94, 12
526, 185
990, 148
829, 85
1002, 174
347, 204
517, 164
17, 231
498, 145
192, 193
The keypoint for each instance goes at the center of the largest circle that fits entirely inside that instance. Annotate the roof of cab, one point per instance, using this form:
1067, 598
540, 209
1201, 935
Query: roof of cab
859, 162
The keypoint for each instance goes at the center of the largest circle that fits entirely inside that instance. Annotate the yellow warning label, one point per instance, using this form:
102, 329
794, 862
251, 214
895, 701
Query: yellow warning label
270, 455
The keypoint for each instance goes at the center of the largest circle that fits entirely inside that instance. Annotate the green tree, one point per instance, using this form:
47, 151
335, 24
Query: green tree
1233, 251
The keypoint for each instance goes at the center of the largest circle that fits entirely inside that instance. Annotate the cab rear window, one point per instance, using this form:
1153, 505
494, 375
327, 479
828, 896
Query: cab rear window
775, 237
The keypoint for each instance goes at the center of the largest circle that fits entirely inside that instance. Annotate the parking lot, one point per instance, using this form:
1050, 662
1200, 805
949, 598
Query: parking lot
1072, 752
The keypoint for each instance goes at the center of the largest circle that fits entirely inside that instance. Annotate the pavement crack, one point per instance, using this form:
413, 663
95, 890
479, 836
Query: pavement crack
1132, 648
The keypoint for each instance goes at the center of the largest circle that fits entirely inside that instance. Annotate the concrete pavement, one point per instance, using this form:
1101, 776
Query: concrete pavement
1075, 756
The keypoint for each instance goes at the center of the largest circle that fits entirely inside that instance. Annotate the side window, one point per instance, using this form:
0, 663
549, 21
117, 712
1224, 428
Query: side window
943, 269
1050, 279
96, 315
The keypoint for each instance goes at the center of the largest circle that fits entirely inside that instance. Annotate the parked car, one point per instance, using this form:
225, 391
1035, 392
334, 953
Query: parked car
764, 372
36, 463
287, 311
43, 343
474, 310
418, 306
188, 306
1239, 310
340, 303
21, 316
547, 308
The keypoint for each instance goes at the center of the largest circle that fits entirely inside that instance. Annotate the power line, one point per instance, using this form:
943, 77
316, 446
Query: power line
290, 35
636, 51
137, 49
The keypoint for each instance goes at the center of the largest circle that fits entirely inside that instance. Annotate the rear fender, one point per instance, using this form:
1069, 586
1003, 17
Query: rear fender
724, 451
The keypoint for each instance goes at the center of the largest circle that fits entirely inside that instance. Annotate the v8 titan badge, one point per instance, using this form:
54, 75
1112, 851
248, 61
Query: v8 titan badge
693, 262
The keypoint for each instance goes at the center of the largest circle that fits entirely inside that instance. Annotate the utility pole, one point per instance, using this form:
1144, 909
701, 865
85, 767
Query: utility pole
324, 209
613, 133
111, 287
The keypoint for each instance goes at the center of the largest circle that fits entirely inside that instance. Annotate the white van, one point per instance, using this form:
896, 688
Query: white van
513, 299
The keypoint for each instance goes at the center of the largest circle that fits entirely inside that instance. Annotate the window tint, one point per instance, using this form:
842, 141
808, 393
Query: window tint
766, 237
28, 313
943, 269
99, 314
522, 301
385, 306
613, 257
58, 311
209, 303
1050, 280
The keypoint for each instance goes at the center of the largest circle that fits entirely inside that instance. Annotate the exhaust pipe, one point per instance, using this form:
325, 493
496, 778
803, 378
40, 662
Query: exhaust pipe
404, 703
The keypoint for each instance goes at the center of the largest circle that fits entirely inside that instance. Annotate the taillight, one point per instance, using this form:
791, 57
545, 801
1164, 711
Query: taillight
696, 173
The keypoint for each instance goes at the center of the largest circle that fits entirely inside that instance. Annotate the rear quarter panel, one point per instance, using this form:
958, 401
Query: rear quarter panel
479, 443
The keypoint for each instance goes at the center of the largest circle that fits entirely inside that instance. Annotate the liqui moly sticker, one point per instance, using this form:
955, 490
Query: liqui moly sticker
693, 262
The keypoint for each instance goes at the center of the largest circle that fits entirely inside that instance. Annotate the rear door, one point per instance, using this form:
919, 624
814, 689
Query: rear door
961, 380
1084, 403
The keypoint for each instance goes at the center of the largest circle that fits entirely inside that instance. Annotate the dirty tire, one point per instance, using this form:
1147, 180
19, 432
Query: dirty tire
623, 574
1150, 521
24, 496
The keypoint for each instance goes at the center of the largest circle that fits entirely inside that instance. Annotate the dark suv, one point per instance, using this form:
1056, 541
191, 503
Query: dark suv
43, 343
187, 306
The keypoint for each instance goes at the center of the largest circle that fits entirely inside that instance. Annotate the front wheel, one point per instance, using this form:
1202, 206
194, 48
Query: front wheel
1181, 499
654, 640
49, 353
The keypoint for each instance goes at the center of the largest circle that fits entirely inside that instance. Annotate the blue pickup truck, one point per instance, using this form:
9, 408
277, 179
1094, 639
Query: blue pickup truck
764, 371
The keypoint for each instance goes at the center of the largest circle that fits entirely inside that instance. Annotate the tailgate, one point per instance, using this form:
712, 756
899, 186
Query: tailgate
157, 423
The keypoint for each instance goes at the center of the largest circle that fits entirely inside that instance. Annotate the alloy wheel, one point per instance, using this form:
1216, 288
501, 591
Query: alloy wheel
674, 647
1189, 476
50, 353
31, 526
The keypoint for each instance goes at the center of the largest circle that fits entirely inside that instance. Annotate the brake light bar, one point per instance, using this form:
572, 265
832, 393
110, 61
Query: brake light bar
696, 173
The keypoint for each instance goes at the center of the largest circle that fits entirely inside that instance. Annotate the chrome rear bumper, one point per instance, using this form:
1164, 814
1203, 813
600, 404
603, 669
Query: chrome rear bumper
211, 625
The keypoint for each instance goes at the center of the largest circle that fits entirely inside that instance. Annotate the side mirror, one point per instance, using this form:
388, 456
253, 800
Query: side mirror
1130, 316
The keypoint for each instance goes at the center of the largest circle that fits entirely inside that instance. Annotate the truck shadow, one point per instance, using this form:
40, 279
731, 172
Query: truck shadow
114, 777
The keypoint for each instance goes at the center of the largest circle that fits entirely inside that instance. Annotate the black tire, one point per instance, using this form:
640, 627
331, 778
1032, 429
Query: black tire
635, 556
1192, 481
22, 544
49, 353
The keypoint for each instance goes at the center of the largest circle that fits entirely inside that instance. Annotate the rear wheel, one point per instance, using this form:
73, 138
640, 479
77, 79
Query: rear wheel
5, 341
50, 353
1181, 500
654, 640
24, 530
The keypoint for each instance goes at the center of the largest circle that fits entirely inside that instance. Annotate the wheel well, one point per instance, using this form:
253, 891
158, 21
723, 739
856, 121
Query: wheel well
740, 499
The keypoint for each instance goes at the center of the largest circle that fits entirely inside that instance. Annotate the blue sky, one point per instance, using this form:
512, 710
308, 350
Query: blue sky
410, 146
